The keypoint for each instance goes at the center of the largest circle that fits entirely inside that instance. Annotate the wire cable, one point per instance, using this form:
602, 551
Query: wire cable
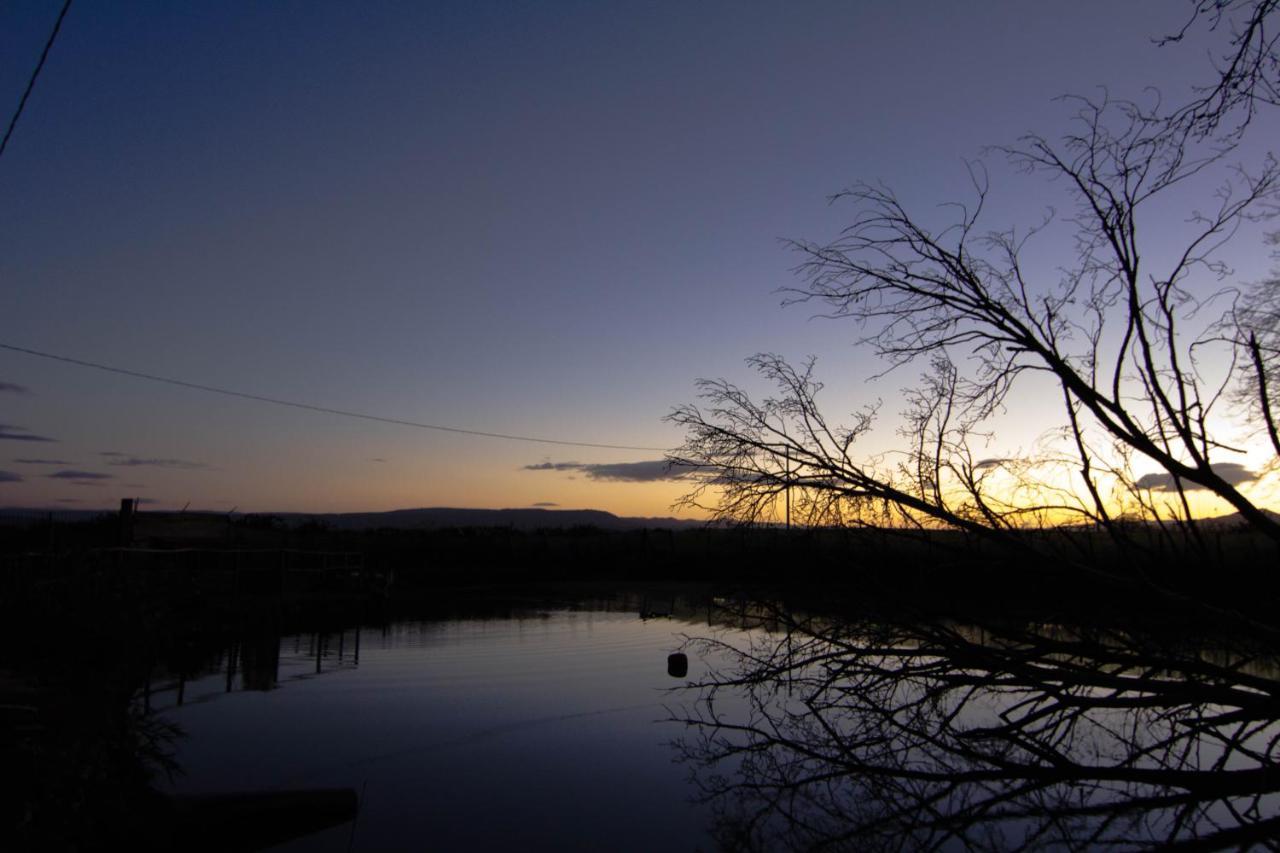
31, 84
182, 383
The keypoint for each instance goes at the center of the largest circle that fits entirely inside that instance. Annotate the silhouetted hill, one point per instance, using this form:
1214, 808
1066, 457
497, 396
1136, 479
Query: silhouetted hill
1234, 520
435, 518
431, 518
520, 519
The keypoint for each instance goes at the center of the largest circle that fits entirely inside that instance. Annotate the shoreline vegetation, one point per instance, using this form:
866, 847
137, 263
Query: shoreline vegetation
1074, 573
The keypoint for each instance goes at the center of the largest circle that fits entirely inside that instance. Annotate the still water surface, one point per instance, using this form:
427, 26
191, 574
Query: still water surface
560, 729
544, 730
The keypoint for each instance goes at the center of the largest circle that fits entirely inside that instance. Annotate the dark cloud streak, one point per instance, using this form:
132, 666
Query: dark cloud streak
80, 476
126, 461
9, 432
649, 471
1233, 472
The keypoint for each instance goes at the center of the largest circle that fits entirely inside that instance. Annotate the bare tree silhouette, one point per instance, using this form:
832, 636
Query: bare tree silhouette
1248, 72
1256, 326
1121, 332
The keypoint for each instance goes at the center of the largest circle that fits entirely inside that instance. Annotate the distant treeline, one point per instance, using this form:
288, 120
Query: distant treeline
936, 568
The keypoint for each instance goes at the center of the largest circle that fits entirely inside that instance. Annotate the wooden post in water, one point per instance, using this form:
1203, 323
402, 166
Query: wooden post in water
125, 532
231, 665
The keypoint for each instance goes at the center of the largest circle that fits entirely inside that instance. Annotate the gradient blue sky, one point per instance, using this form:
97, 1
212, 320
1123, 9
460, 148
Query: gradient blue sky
543, 218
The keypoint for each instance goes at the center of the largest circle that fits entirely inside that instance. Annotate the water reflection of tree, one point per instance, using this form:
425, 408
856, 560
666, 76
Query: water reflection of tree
857, 735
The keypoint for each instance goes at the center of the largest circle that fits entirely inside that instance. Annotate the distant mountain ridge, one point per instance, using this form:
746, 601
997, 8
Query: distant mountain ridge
427, 518
435, 518
520, 519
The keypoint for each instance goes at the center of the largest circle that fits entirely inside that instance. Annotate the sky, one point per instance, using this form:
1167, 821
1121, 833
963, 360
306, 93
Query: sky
543, 219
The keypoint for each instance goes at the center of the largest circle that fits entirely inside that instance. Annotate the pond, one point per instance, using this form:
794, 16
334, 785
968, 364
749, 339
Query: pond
556, 722
542, 729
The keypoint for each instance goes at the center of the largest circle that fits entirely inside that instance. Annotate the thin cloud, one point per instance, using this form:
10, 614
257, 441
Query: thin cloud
127, 461
10, 477
649, 471
377, 459
79, 476
43, 462
553, 466
9, 432
14, 388
544, 504
1233, 472
634, 472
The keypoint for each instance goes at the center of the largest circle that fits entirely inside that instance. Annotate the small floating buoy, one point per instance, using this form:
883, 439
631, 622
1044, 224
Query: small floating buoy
677, 665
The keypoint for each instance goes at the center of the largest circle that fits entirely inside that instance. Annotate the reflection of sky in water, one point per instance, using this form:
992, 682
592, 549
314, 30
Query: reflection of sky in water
535, 732
552, 730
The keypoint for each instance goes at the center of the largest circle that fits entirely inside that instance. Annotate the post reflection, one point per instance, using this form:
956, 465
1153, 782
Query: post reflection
87, 751
826, 734
257, 661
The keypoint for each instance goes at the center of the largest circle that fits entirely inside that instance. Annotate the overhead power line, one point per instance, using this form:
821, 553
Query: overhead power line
31, 84
325, 409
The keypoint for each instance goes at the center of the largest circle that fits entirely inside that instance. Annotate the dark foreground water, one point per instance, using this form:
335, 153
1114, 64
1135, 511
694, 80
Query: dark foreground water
553, 723
542, 730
